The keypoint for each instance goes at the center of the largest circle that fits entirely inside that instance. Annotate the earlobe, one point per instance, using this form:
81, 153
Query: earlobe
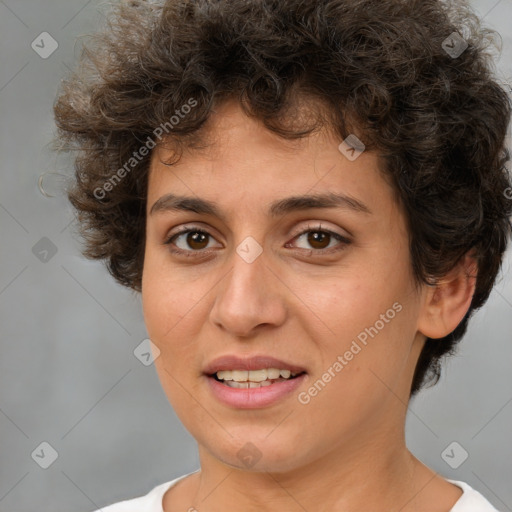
447, 302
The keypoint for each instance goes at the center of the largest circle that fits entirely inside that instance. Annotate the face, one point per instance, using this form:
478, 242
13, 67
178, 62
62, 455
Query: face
325, 289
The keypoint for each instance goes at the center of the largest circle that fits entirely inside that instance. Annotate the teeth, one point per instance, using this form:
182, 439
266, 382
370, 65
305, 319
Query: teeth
273, 373
254, 376
239, 375
247, 385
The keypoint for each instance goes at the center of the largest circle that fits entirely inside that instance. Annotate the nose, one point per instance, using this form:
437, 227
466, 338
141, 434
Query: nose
249, 298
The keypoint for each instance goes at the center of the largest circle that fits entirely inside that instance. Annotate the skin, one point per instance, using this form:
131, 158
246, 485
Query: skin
344, 450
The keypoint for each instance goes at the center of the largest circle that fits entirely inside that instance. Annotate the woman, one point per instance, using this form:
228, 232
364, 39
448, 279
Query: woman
312, 199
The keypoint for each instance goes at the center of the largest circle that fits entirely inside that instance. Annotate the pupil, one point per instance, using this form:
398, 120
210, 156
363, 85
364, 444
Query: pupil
196, 240
317, 239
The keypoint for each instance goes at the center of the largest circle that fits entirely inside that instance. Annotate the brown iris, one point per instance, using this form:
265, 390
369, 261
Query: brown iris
197, 240
318, 239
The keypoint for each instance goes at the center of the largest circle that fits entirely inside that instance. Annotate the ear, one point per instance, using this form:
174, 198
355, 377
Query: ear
447, 302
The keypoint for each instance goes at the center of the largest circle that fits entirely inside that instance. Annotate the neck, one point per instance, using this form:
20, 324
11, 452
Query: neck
350, 477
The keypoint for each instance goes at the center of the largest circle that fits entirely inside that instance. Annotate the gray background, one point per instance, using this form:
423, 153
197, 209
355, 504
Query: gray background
68, 374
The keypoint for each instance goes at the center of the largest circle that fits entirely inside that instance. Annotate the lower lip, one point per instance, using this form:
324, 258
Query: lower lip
254, 398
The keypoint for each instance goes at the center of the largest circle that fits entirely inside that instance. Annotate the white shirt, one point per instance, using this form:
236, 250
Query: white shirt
470, 501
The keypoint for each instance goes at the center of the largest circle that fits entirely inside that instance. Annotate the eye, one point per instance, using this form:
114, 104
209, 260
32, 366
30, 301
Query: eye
320, 239
196, 240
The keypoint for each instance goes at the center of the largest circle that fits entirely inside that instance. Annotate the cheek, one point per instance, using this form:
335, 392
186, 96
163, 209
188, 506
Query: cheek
176, 303
367, 312
168, 304
171, 309
344, 304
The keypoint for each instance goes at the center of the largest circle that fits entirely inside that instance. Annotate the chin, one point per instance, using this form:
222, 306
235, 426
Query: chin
248, 451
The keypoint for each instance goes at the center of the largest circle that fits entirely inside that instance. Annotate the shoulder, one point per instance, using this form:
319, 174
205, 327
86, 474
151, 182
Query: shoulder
471, 500
150, 502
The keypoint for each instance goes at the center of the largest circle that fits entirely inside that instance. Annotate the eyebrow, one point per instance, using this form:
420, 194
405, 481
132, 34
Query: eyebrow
171, 202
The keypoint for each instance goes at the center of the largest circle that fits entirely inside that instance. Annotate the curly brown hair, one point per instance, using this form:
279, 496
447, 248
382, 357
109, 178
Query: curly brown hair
378, 68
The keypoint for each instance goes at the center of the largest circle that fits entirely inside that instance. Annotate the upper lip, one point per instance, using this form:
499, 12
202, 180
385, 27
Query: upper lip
234, 362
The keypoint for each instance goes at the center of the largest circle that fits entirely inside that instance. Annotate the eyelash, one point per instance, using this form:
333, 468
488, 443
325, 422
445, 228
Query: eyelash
315, 229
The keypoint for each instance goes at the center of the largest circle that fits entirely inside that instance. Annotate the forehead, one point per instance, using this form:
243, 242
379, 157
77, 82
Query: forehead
241, 162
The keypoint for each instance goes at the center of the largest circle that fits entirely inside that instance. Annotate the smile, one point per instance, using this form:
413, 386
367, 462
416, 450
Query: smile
250, 379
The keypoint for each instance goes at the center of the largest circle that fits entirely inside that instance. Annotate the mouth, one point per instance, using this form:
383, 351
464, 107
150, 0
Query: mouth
253, 382
250, 379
